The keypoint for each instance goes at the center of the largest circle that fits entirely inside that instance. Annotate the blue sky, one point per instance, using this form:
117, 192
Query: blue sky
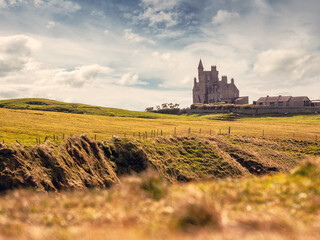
137, 53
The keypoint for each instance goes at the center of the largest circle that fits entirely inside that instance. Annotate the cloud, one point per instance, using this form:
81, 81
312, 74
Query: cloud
97, 13
130, 79
288, 67
158, 12
225, 16
50, 24
16, 53
129, 35
160, 5
59, 6
164, 56
81, 75
10, 3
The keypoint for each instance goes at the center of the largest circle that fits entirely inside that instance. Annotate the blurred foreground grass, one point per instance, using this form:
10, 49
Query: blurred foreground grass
282, 206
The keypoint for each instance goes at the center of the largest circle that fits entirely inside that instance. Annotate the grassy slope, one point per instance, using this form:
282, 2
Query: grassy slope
81, 162
56, 106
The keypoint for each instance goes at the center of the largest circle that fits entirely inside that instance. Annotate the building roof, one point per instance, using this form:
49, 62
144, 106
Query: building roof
280, 98
300, 99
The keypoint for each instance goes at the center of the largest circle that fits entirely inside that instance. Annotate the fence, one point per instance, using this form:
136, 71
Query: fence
144, 135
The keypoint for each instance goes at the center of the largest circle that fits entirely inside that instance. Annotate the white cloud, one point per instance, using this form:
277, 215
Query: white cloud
129, 35
159, 5
281, 60
58, 5
130, 79
10, 3
50, 24
16, 53
158, 12
225, 16
97, 13
164, 56
288, 67
81, 75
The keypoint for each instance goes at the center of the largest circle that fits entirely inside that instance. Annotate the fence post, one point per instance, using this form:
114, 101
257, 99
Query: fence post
210, 132
316, 138
146, 135
139, 135
189, 130
175, 130
229, 130
161, 132
219, 131
95, 137
200, 130
294, 135
62, 136
54, 137
262, 133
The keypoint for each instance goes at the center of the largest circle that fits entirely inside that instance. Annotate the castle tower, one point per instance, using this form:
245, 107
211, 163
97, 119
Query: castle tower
209, 89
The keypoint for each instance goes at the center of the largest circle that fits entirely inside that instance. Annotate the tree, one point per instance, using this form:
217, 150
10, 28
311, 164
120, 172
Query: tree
149, 109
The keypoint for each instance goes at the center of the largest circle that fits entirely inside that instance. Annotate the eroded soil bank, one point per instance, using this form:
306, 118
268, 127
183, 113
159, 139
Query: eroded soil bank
81, 162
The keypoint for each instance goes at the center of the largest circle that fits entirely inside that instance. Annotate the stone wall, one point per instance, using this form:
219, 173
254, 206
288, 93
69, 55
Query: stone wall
259, 110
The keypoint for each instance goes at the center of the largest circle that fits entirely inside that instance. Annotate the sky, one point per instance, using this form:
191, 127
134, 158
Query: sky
134, 54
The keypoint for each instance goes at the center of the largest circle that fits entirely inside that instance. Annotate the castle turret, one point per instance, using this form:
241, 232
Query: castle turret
232, 81
224, 79
200, 67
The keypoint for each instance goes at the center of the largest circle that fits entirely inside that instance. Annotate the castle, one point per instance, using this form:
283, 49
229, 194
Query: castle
209, 89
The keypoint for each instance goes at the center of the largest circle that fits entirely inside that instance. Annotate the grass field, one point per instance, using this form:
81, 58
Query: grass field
28, 125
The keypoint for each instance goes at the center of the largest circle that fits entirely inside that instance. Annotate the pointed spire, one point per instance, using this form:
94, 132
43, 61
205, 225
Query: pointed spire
200, 65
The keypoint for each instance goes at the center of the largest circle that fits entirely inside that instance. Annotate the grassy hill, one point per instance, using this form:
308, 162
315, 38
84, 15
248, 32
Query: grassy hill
56, 106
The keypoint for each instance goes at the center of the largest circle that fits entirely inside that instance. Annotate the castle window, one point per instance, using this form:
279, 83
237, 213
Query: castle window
280, 104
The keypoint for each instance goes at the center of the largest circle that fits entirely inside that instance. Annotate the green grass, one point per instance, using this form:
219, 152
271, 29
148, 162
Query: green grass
56, 106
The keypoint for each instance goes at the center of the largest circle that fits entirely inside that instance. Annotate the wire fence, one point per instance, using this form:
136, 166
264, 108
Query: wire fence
144, 135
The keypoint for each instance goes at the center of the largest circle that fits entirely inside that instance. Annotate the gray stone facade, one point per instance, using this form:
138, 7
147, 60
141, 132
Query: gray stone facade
210, 89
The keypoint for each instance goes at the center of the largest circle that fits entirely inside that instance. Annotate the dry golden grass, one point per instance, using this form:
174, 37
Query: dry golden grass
283, 206
28, 125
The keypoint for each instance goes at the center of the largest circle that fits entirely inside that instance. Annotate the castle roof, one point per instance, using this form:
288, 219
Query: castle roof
200, 65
